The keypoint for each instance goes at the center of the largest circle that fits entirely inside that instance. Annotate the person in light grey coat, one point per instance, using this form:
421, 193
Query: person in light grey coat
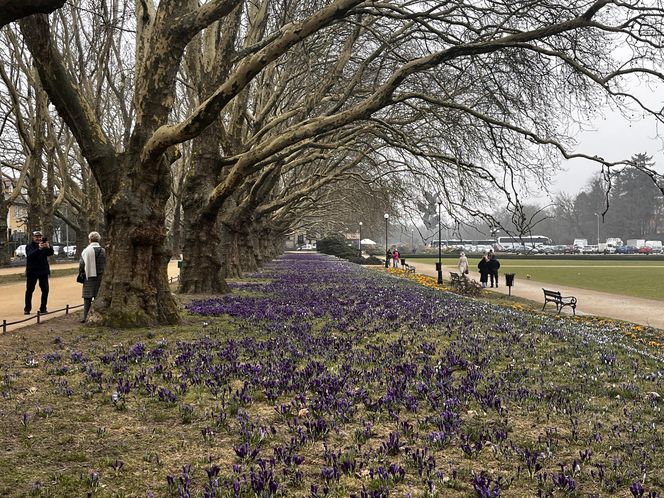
93, 262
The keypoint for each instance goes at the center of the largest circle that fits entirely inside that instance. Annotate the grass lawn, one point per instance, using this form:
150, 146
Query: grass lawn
319, 378
630, 278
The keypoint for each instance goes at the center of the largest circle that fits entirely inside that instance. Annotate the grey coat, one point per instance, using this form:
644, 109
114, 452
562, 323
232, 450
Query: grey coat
92, 284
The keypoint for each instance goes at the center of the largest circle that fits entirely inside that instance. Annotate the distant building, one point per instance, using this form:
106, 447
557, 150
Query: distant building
17, 216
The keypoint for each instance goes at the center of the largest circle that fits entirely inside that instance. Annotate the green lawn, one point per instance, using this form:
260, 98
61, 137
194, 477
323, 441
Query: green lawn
631, 278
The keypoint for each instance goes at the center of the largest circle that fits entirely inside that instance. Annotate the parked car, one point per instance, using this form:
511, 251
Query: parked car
555, 249
526, 250
626, 250
645, 250
20, 251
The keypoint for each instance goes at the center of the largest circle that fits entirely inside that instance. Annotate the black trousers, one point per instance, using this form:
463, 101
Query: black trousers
43, 285
494, 276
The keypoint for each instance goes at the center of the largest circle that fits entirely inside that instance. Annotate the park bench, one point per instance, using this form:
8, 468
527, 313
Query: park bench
560, 301
464, 285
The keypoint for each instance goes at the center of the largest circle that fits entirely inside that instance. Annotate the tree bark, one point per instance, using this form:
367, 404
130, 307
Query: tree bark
12, 10
135, 291
202, 270
4, 228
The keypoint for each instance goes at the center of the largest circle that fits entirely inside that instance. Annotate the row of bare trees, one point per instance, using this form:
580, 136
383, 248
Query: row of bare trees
229, 123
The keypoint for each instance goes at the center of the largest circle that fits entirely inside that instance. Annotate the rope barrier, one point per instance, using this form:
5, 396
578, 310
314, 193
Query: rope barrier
66, 309
38, 316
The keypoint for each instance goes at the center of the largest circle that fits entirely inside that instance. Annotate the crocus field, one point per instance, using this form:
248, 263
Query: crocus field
317, 377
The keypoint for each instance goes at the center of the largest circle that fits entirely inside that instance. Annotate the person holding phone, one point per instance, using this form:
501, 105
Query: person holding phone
37, 269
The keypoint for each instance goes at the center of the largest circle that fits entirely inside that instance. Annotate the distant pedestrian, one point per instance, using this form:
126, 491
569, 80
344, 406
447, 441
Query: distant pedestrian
494, 264
483, 267
388, 257
396, 258
93, 262
37, 269
463, 264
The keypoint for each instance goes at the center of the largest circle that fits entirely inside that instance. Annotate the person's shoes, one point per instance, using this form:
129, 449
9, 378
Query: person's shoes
83, 321
26, 312
43, 312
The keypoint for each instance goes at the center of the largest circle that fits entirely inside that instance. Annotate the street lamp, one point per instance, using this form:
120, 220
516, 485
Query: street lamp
360, 241
387, 265
439, 266
597, 214
412, 244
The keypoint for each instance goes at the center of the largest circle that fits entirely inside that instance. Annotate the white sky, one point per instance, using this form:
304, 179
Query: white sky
614, 139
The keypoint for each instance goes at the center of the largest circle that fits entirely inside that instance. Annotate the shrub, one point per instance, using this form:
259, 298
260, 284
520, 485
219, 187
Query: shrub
337, 246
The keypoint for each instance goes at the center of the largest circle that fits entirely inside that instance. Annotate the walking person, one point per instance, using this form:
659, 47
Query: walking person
463, 264
494, 264
396, 258
483, 267
92, 264
37, 269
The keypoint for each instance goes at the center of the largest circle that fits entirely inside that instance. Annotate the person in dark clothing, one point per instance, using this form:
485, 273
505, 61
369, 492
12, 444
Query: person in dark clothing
37, 270
494, 264
483, 267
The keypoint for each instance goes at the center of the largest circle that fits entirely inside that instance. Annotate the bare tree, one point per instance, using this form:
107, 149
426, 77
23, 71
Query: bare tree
499, 76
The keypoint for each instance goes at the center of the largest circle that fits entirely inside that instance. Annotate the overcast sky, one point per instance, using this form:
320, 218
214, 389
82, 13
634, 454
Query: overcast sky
615, 138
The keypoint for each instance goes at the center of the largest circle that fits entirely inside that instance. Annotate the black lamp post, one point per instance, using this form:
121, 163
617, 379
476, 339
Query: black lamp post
439, 266
387, 264
359, 244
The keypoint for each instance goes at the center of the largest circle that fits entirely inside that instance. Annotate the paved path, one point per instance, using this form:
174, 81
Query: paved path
632, 309
63, 291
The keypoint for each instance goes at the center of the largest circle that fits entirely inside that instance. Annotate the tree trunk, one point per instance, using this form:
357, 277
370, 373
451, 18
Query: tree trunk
202, 270
4, 247
135, 291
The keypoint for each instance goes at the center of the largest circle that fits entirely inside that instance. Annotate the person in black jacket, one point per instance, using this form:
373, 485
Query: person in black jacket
37, 270
483, 267
494, 264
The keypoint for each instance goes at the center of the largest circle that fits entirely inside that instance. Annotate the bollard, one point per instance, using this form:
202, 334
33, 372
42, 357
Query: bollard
4, 326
